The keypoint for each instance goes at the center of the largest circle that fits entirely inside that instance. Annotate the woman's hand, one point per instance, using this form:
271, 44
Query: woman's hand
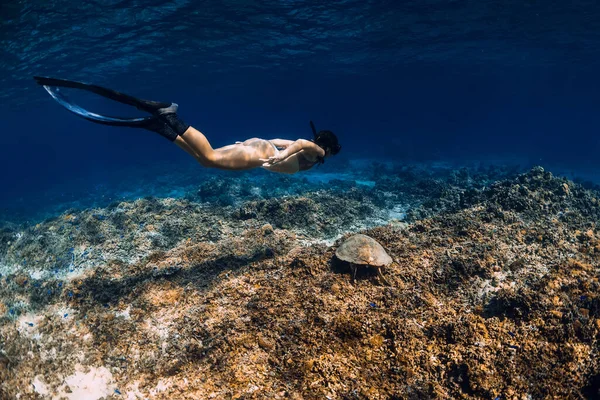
271, 160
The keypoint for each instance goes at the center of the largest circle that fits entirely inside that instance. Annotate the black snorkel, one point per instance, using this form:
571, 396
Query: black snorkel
312, 126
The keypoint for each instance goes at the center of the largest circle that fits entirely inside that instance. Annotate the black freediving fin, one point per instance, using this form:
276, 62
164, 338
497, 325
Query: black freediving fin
144, 105
90, 116
164, 119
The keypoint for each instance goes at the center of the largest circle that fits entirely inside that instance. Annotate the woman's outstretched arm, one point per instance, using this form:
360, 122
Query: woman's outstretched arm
282, 143
298, 145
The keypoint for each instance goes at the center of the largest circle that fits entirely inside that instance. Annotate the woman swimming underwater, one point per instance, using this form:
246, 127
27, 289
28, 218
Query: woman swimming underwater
277, 155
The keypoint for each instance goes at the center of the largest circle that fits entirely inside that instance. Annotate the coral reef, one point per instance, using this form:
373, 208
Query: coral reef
231, 293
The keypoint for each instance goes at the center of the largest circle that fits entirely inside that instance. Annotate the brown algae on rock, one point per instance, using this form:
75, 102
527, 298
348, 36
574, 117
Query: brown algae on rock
494, 292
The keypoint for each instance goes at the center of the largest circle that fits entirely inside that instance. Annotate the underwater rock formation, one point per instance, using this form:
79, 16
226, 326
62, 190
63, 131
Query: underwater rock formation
494, 293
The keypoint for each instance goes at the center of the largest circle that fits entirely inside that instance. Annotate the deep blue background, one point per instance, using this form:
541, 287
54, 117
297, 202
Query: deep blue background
416, 80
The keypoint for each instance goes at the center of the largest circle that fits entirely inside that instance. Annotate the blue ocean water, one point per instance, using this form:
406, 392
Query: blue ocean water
411, 81
128, 270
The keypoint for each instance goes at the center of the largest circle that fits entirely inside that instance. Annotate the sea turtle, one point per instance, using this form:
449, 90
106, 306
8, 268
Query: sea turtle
362, 250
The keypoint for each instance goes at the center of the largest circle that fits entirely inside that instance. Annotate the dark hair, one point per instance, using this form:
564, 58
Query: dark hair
326, 140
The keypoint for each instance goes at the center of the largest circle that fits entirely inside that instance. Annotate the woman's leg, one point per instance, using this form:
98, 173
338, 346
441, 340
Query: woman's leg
183, 145
230, 157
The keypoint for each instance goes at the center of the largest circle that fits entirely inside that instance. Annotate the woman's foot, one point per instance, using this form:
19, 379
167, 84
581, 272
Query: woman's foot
165, 112
161, 127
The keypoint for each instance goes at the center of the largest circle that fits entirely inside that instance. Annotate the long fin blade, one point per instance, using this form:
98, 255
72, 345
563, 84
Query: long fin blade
90, 116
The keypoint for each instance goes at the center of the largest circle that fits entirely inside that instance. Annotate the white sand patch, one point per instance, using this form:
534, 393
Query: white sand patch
26, 270
365, 183
78, 271
37, 336
27, 325
38, 274
39, 386
398, 212
64, 312
91, 385
124, 313
161, 386
158, 327
133, 392
494, 284
50, 354
326, 177
256, 191
6, 269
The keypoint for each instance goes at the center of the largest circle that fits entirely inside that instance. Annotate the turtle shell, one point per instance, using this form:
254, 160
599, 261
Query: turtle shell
363, 250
